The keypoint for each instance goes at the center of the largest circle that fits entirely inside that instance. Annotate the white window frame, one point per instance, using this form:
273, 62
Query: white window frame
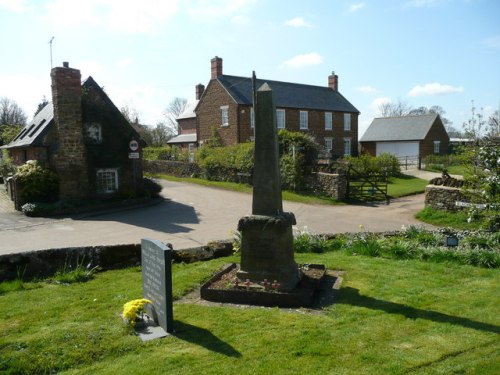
347, 146
280, 124
328, 121
304, 120
113, 178
224, 115
329, 143
252, 118
347, 121
437, 146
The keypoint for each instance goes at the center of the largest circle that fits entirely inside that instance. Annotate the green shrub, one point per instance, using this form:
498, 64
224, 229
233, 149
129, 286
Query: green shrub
306, 242
303, 143
224, 163
166, 153
38, 184
385, 164
7, 166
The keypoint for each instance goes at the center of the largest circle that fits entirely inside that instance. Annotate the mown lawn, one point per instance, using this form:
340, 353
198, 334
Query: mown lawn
389, 317
397, 187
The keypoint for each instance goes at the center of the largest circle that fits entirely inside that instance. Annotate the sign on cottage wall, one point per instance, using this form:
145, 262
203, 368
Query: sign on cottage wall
156, 261
133, 145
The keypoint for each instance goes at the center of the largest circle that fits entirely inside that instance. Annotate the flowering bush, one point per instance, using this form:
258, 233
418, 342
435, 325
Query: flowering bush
134, 310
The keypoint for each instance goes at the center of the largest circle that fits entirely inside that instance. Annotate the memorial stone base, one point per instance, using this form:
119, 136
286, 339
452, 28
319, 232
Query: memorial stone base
267, 250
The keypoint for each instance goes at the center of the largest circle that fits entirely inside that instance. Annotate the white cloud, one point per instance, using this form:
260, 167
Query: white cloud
123, 16
493, 42
14, 5
89, 68
297, 22
367, 90
307, 59
355, 7
377, 102
434, 89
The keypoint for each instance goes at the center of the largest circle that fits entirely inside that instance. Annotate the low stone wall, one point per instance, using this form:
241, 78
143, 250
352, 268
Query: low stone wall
332, 185
173, 168
443, 197
45, 263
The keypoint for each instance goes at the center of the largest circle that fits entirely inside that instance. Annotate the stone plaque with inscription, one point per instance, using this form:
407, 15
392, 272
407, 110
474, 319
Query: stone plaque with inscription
156, 260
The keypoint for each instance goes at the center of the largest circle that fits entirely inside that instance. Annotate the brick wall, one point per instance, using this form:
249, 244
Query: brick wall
369, 148
208, 114
436, 133
69, 155
187, 125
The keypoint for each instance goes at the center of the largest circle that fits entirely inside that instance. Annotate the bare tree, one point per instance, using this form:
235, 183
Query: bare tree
174, 109
130, 114
11, 113
494, 124
161, 134
399, 108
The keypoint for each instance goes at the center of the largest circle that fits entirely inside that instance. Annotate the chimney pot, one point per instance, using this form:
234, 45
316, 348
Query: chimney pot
65, 64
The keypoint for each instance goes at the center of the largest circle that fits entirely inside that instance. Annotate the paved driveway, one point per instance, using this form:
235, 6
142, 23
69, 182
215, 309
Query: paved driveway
191, 215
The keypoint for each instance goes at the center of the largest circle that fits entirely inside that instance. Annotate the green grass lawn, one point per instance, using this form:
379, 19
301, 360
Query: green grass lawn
405, 185
397, 187
452, 169
457, 220
389, 317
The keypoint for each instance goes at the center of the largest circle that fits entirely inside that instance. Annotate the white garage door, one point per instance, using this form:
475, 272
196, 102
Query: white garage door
399, 149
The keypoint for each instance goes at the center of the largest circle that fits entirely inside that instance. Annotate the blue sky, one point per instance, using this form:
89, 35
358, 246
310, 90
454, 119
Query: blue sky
144, 53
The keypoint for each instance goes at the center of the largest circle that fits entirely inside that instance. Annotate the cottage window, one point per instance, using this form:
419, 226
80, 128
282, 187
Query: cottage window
329, 144
280, 118
347, 146
107, 180
252, 118
224, 110
437, 145
93, 132
328, 121
347, 121
304, 117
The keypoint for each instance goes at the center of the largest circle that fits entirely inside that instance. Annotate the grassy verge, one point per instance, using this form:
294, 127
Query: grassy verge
457, 220
244, 188
397, 187
452, 169
389, 317
406, 185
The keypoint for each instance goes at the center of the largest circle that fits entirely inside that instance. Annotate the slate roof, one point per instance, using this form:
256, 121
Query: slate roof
188, 111
184, 138
32, 134
405, 128
288, 95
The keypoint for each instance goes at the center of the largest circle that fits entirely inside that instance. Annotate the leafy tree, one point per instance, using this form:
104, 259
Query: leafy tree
8, 133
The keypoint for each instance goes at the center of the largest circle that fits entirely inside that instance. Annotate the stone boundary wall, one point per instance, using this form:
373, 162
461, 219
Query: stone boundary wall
170, 167
45, 263
443, 197
332, 185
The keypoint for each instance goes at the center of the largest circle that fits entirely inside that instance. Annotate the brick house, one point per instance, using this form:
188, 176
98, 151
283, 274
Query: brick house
406, 136
84, 138
186, 132
322, 112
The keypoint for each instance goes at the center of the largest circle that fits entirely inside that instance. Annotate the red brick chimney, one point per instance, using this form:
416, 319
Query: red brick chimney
333, 81
199, 90
216, 65
69, 158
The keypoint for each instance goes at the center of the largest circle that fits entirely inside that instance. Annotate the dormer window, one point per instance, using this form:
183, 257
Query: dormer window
93, 132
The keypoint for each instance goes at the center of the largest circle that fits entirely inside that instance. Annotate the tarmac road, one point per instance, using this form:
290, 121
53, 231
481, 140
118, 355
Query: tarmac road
190, 216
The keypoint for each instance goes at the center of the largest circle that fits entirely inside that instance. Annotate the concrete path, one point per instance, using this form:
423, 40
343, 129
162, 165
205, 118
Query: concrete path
190, 216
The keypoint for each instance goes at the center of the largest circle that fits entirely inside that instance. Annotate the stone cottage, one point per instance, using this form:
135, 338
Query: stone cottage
84, 138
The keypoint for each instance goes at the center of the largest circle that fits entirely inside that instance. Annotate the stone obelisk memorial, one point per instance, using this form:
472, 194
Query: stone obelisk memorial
266, 235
